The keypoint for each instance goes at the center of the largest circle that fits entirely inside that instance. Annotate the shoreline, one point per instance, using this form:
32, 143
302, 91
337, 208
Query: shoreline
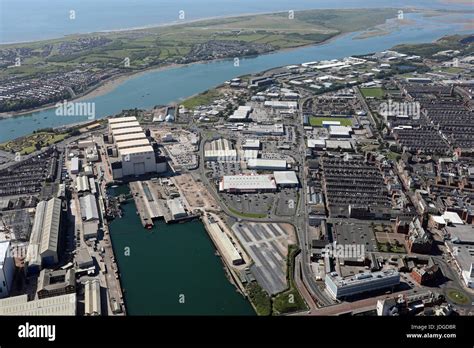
191, 21
108, 85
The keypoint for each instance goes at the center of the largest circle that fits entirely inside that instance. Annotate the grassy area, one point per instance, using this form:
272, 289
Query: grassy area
376, 92
30, 143
394, 156
201, 99
318, 121
457, 296
390, 248
248, 215
289, 300
260, 299
462, 43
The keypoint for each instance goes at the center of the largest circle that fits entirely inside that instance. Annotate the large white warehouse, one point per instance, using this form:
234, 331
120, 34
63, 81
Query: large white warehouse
136, 156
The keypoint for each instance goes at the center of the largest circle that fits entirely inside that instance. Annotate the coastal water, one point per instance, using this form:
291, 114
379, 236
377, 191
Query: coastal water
172, 269
164, 86
30, 20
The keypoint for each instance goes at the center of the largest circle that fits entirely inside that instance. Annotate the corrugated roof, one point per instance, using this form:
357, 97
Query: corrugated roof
133, 150
50, 235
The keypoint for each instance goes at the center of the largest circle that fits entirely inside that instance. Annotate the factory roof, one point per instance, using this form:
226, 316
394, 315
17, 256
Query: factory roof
227, 248
247, 182
362, 278
120, 125
89, 208
82, 184
452, 217
51, 222
334, 144
176, 207
122, 119
286, 178
134, 150
241, 113
57, 305
461, 233
130, 130
281, 104
266, 163
92, 297
340, 130
129, 136
316, 143
133, 143
251, 143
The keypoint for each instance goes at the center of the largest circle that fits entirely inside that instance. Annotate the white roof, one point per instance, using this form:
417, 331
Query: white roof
438, 219
452, 217
266, 163
316, 142
56, 305
129, 136
89, 208
120, 125
50, 235
130, 130
343, 144
133, 143
134, 150
247, 182
285, 178
122, 119
340, 130
251, 143
281, 104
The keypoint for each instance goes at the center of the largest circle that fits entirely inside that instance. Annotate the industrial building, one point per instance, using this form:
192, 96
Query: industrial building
92, 297
339, 287
82, 184
278, 104
286, 179
247, 183
176, 208
64, 305
90, 216
266, 164
228, 250
135, 154
55, 283
7, 269
340, 131
251, 144
44, 239
220, 150
89, 211
241, 114
75, 165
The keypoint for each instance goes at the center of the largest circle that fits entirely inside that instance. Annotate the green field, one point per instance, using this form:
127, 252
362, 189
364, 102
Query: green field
200, 99
428, 50
290, 300
29, 144
457, 296
318, 121
259, 298
376, 92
